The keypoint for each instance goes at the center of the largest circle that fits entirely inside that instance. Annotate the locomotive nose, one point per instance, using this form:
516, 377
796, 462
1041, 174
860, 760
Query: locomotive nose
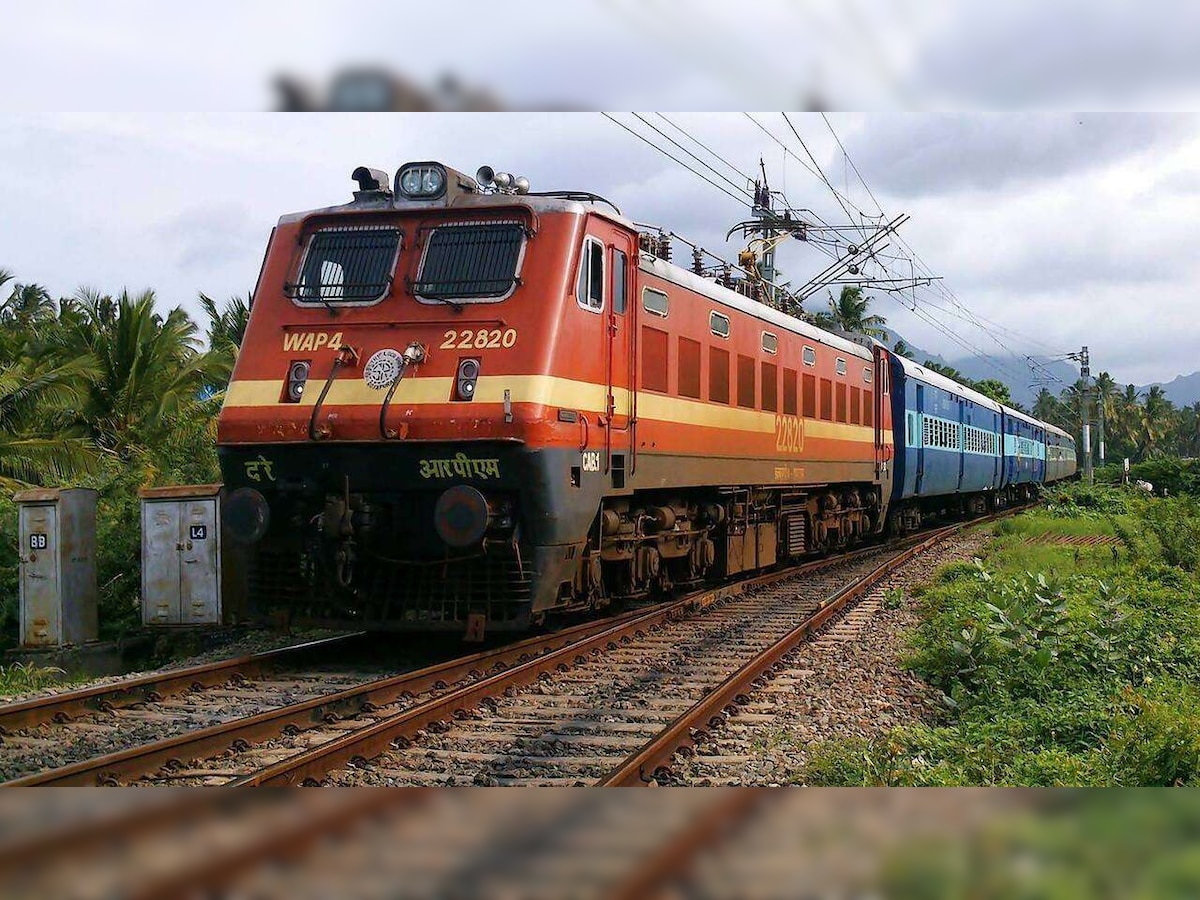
247, 515
460, 516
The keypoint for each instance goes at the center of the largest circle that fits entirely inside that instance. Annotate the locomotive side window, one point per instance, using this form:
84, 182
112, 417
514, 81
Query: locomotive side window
654, 359
789, 392
654, 302
689, 368
718, 324
809, 397
590, 292
620, 287
826, 399
347, 266
470, 262
770, 342
810, 356
718, 375
745, 381
841, 366
770, 387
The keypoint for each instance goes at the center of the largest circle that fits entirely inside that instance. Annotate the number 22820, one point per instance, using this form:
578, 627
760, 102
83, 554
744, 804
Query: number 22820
483, 339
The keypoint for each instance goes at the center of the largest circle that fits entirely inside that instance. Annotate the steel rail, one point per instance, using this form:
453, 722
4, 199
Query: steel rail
651, 763
371, 740
149, 757
153, 686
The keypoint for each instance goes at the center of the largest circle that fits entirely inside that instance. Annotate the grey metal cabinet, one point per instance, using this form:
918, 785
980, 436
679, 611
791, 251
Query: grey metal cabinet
181, 555
57, 534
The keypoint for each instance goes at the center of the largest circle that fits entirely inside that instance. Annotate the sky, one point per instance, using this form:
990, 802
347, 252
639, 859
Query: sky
1054, 230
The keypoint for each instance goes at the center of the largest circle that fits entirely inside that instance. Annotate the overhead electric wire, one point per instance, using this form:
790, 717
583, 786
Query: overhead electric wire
710, 168
644, 139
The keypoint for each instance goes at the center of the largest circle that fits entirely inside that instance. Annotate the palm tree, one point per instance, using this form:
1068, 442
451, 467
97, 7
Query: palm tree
149, 369
226, 330
36, 401
1156, 415
849, 313
1047, 408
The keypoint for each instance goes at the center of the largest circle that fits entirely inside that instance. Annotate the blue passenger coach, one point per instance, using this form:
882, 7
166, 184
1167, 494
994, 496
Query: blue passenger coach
1024, 453
948, 445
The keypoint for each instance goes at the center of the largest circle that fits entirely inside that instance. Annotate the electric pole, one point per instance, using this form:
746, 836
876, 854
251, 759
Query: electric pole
1085, 372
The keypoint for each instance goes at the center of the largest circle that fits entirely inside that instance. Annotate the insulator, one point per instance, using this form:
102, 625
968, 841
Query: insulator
727, 275
646, 243
664, 247
697, 261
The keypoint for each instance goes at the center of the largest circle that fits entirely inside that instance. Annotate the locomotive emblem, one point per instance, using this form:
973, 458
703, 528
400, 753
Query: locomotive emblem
382, 368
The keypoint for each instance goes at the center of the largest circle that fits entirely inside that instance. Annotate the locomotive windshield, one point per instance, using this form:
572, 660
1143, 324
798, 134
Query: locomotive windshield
347, 266
470, 262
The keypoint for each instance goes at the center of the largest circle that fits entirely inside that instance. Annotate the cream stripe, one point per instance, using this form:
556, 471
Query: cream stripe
541, 390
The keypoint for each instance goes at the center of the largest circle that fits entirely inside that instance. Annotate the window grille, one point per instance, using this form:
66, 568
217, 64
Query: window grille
347, 265
470, 261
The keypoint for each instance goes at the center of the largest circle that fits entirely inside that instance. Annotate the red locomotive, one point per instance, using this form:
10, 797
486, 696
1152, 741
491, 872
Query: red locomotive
462, 404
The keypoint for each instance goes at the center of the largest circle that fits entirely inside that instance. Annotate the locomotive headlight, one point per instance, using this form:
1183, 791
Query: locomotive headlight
464, 384
422, 181
296, 378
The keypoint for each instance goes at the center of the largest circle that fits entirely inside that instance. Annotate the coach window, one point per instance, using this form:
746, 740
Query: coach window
770, 387
718, 375
654, 302
718, 324
810, 356
620, 288
770, 343
745, 381
841, 366
590, 293
826, 399
789, 392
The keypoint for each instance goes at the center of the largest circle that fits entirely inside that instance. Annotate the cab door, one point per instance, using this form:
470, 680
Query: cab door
621, 333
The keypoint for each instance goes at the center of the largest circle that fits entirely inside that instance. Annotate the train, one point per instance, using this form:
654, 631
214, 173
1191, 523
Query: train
464, 405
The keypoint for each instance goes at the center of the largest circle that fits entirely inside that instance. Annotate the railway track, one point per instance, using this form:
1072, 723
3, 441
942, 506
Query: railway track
610, 701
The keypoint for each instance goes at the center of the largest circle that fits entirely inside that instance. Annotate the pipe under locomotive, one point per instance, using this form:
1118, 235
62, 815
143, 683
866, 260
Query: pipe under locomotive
463, 406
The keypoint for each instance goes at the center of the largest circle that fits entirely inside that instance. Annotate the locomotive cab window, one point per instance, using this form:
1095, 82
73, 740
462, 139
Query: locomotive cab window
470, 262
349, 266
620, 265
590, 292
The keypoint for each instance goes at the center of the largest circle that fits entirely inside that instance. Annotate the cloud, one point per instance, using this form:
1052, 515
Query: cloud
920, 155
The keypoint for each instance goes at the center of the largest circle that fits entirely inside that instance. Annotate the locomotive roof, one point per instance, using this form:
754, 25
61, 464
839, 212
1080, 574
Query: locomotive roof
721, 294
468, 202
947, 384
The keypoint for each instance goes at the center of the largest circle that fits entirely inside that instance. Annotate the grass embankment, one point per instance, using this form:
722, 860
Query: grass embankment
1060, 664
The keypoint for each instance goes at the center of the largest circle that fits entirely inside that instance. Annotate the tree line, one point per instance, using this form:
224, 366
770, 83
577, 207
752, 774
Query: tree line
96, 384
1138, 425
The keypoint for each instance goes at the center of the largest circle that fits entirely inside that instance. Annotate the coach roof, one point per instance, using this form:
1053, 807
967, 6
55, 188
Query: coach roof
947, 384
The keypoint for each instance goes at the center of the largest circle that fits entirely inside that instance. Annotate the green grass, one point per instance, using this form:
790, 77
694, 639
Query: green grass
1059, 665
21, 678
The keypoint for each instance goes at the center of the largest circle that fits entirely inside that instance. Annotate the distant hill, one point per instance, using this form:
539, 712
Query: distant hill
1182, 390
979, 368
